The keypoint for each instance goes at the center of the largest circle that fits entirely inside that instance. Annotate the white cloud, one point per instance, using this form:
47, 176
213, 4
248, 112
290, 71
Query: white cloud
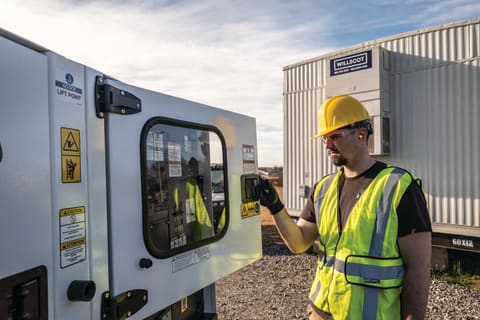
228, 54
446, 11
224, 53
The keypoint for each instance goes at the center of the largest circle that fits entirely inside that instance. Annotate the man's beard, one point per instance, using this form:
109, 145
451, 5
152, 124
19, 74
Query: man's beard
339, 161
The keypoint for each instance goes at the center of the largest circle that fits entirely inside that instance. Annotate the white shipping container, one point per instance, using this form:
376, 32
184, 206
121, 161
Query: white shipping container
424, 87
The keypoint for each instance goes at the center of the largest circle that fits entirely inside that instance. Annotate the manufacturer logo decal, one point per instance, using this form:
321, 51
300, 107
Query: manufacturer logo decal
351, 63
69, 78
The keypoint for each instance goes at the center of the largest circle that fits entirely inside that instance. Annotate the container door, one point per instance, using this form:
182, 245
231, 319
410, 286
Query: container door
171, 228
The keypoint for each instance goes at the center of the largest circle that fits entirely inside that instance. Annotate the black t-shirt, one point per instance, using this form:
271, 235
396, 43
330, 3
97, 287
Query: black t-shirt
412, 210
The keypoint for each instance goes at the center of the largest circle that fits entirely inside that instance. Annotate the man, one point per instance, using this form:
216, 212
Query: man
372, 224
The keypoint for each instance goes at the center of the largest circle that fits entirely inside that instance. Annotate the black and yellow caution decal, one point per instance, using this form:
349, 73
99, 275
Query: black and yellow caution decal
71, 155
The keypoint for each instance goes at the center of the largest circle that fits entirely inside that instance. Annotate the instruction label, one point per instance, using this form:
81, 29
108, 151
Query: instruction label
71, 156
68, 87
154, 146
250, 209
73, 241
190, 258
174, 159
248, 158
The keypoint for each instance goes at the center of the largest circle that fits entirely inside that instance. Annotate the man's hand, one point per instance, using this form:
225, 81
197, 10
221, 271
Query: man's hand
269, 196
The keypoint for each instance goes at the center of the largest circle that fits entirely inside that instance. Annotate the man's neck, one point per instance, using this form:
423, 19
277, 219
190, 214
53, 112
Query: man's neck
358, 167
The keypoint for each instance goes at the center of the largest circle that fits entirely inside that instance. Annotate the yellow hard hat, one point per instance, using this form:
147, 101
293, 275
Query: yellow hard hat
338, 112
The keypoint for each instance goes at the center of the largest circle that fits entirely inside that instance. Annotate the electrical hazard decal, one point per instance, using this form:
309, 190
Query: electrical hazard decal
250, 209
72, 236
71, 156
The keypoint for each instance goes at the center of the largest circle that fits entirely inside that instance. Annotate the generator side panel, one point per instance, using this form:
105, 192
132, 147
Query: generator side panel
25, 191
80, 269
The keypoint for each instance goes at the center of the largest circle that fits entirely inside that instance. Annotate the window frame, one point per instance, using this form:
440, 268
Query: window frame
151, 248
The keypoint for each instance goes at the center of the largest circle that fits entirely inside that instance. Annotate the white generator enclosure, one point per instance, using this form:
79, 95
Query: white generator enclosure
116, 201
422, 90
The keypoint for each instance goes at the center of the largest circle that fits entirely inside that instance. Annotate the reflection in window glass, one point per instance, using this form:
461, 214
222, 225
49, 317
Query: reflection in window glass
184, 187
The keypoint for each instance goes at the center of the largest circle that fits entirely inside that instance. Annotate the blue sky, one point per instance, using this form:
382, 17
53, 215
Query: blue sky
224, 53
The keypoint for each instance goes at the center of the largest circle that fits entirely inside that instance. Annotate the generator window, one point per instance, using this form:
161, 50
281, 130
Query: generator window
184, 181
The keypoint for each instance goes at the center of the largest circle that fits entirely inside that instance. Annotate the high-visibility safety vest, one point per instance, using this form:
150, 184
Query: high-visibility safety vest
195, 210
360, 270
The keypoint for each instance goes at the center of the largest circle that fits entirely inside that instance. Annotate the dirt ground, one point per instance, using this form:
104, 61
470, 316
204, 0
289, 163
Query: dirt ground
266, 217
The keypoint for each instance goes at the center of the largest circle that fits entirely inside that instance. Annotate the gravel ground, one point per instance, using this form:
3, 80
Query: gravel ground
276, 287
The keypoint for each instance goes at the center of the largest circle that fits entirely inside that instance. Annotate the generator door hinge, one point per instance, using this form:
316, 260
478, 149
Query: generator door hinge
113, 100
124, 305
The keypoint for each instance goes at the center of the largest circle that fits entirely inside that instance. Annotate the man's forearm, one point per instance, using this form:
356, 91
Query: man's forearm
417, 251
415, 294
291, 233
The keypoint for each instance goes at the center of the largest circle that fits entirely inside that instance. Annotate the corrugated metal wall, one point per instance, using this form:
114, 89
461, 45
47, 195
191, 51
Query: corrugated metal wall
435, 120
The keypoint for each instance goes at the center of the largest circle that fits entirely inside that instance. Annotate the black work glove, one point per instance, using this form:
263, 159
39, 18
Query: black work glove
269, 196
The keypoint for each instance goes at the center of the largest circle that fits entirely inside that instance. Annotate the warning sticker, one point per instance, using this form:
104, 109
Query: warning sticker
73, 239
174, 159
71, 156
155, 146
248, 158
250, 209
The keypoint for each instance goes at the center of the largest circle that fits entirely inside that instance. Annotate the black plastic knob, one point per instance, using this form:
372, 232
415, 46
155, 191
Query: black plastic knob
145, 263
81, 290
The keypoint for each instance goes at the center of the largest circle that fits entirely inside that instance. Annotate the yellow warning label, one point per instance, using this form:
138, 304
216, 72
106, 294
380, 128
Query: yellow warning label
71, 211
71, 171
71, 244
71, 157
250, 209
70, 142
73, 235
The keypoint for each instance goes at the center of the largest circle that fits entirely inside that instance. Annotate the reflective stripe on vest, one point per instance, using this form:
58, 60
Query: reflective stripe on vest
370, 302
373, 272
321, 194
318, 196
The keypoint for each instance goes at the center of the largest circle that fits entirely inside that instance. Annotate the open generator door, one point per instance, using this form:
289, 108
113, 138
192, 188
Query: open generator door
176, 172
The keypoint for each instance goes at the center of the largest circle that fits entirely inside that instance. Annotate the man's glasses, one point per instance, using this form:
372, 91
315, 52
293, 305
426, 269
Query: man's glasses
336, 136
